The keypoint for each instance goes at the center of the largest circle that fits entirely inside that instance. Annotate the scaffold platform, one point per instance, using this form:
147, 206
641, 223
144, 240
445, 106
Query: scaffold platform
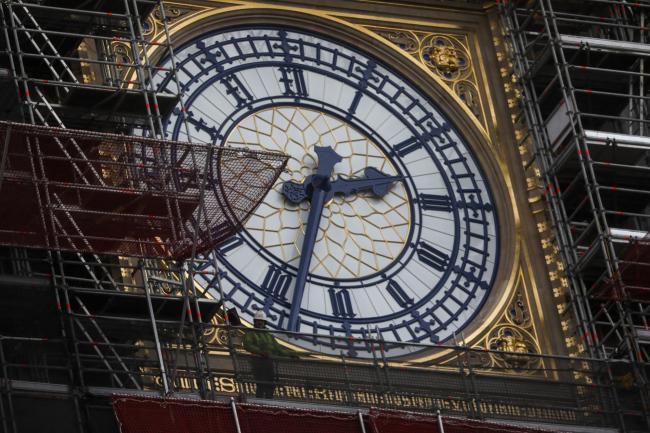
114, 194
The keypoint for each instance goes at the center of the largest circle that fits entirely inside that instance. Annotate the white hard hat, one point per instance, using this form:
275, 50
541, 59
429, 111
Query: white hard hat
259, 315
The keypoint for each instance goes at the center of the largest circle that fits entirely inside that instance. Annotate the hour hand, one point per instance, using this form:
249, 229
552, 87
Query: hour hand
373, 179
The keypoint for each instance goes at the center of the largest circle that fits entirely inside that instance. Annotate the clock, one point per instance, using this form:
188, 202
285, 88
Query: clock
383, 222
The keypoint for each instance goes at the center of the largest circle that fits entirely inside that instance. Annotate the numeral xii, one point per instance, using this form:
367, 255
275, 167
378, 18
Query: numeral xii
294, 81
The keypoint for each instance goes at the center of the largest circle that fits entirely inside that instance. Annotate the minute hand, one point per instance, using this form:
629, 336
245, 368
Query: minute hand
319, 186
374, 179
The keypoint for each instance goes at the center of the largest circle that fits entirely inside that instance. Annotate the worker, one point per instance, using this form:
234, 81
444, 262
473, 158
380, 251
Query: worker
264, 348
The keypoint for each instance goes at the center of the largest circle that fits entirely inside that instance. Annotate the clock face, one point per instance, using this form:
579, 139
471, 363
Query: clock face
412, 258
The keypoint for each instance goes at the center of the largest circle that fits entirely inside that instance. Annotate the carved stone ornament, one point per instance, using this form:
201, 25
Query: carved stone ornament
469, 94
518, 312
153, 26
123, 57
447, 56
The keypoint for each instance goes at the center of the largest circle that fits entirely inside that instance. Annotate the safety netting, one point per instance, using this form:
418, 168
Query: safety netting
137, 414
272, 419
390, 421
126, 195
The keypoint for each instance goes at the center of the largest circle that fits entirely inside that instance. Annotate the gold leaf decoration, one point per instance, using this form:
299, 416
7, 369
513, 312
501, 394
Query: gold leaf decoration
513, 341
447, 56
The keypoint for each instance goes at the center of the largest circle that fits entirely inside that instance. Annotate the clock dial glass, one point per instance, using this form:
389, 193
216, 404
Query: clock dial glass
413, 259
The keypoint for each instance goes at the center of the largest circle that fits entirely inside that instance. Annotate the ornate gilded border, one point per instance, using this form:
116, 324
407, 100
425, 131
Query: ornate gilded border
436, 48
537, 194
448, 56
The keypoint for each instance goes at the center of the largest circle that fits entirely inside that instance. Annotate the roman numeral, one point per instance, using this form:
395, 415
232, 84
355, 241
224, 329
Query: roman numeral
414, 143
432, 257
435, 202
407, 146
400, 296
236, 89
366, 78
276, 283
230, 244
341, 303
294, 81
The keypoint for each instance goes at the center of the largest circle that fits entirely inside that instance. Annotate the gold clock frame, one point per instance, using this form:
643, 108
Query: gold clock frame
523, 283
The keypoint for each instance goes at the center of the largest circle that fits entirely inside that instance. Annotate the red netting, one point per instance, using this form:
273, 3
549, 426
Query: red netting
149, 415
633, 279
388, 421
397, 422
114, 194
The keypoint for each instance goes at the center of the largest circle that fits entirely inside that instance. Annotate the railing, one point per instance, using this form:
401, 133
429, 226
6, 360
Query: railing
456, 379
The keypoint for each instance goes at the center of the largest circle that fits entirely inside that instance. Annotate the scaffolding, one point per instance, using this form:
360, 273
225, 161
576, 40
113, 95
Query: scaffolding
102, 218
580, 68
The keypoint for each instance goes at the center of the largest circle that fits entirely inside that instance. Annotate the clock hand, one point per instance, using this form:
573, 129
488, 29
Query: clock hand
327, 159
295, 192
374, 179
318, 187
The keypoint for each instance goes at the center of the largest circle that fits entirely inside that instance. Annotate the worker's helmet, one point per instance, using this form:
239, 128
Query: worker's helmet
259, 319
260, 315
